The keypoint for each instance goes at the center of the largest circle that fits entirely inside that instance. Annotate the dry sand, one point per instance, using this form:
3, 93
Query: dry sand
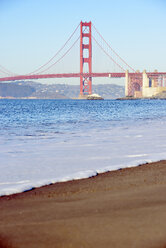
124, 208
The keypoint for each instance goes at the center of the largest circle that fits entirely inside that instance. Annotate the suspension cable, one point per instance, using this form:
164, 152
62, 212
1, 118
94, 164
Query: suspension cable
107, 54
57, 52
60, 57
113, 49
5, 71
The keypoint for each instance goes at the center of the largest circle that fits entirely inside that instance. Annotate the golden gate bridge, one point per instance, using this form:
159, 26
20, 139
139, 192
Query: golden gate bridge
134, 80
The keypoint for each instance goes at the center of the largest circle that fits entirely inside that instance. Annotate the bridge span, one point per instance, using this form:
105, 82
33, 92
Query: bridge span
62, 75
77, 75
137, 84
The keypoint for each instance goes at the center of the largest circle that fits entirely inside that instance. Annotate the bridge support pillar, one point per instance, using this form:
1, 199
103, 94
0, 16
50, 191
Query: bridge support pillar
85, 58
145, 83
127, 83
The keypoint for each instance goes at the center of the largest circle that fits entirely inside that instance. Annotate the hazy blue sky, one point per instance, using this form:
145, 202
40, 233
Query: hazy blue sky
33, 30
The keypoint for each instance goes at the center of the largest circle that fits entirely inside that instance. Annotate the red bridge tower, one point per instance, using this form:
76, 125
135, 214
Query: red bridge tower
85, 58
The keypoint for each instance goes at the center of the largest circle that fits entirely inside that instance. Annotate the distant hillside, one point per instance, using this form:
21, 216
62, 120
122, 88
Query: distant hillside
107, 91
15, 90
56, 91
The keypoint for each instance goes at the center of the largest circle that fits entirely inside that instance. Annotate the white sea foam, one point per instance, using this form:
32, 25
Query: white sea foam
136, 155
45, 161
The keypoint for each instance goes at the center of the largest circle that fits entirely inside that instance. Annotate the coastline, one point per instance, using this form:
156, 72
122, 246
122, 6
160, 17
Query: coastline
67, 178
123, 208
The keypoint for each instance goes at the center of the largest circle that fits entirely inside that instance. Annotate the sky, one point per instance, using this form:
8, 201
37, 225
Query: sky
32, 31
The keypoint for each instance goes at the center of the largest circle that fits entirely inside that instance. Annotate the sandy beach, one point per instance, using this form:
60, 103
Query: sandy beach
124, 208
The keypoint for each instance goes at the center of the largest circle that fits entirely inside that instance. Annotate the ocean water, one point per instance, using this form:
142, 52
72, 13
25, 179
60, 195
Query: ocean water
47, 141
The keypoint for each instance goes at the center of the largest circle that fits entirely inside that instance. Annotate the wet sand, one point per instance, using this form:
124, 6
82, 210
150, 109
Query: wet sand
124, 208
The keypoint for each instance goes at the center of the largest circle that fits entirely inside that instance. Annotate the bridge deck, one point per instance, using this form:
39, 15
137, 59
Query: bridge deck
72, 75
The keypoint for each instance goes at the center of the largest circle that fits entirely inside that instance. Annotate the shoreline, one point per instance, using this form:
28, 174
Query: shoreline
122, 208
94, 175
74, 177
